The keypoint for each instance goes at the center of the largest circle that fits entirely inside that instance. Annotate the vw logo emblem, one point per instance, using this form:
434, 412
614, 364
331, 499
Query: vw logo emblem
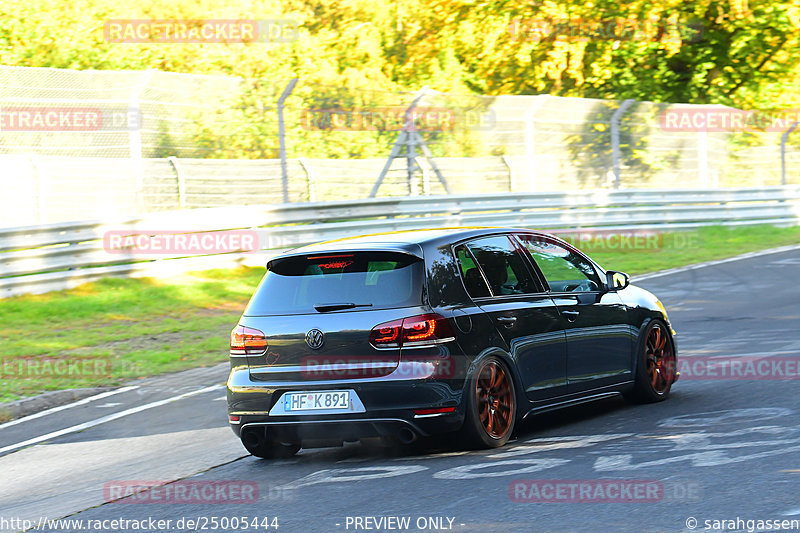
315, 339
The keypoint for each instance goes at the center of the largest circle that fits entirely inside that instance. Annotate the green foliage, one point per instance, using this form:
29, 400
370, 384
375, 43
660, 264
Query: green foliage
700, 51
352, 54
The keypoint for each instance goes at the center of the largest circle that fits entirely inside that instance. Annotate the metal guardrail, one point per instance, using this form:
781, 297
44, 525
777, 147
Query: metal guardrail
42, 258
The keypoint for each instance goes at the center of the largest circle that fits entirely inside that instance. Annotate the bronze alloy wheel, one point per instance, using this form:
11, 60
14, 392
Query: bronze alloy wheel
494, 397
660, 359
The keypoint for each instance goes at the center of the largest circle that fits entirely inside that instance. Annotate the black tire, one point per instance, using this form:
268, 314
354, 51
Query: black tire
491, 405
256, 442
655, 365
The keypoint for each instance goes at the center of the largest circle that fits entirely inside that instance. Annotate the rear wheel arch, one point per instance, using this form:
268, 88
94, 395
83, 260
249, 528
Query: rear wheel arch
506, 358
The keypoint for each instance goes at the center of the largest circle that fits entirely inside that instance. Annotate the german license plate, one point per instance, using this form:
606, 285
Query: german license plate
334, 401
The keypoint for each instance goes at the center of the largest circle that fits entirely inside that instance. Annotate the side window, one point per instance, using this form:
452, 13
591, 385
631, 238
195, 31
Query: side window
473, 279
502, 265
564, 270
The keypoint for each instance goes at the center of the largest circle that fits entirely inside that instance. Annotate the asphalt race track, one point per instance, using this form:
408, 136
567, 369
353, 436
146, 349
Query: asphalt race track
719, 449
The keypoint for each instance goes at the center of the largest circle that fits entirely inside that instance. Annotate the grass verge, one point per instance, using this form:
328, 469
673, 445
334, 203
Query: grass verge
114, 330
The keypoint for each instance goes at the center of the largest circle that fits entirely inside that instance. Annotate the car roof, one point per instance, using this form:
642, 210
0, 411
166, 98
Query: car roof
408, 241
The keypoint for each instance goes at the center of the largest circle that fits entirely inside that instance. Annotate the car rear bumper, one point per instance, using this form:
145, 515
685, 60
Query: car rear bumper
389, 402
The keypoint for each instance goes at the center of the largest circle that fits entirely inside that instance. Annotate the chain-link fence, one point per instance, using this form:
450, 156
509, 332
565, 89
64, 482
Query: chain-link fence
88, 144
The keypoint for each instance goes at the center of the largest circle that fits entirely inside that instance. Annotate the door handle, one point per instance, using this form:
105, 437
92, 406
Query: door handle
507, 321
571, 315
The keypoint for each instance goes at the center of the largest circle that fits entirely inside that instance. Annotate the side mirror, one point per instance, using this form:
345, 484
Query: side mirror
617, 280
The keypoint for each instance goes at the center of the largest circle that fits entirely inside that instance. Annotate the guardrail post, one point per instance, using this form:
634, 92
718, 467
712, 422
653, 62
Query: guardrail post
282, 138
615, 138
784, 138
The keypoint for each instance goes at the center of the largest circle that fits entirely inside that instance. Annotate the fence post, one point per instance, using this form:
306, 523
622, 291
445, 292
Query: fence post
784, 138
411, 163
426, 176
512, 176
410, 138
282, 140
310, 180
615, 138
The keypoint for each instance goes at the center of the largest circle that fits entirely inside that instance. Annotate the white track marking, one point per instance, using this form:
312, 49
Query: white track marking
513, 467
108, 418
545, 444
728, 416
670, 271
340, 475
68, 406
708, 458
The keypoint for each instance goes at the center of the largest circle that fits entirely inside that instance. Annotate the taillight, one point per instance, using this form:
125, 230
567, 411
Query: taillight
247, 341
420, 330
386, 335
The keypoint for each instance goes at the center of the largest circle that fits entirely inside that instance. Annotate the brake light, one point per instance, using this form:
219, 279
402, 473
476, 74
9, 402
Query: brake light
386, 335
247, 341
420, 330
337, 262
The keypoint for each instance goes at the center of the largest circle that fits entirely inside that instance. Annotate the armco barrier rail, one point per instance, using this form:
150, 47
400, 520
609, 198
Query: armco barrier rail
38, 259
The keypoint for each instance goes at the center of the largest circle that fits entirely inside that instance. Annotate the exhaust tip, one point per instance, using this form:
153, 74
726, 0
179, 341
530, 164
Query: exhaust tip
406, 436
252, 437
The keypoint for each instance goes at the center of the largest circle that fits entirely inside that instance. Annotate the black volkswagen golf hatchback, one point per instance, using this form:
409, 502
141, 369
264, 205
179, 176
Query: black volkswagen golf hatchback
464, 331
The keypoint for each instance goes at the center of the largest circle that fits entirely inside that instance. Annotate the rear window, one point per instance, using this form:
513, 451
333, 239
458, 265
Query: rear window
333, 282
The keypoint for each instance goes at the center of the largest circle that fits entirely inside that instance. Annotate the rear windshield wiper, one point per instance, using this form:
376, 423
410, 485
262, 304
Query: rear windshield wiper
324, 308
